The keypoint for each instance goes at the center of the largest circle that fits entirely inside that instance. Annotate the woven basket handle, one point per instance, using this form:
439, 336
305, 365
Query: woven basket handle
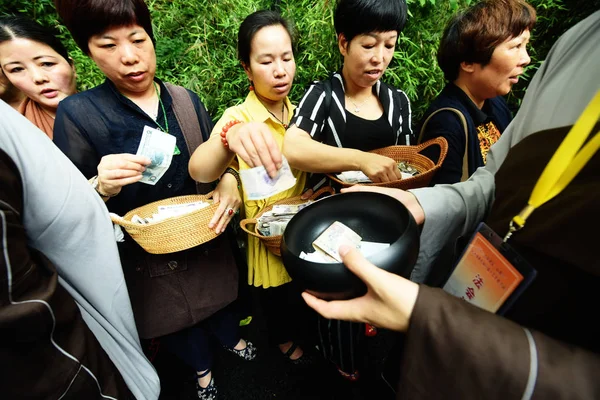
208, 195
118, 220
249, 221
325, 189
440, 141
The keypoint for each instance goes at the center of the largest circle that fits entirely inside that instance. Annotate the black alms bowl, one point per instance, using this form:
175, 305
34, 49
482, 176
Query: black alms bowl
375, 217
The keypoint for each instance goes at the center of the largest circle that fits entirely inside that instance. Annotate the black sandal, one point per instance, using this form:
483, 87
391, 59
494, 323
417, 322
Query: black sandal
304, 359
209, 392
247, 353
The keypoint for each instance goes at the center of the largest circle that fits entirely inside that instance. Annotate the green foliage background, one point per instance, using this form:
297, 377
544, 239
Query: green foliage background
196, 44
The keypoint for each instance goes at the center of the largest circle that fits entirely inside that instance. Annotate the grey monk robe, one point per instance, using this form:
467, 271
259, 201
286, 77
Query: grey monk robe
65, 316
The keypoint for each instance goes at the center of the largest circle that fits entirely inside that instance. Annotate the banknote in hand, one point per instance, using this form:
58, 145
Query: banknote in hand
158, 147
259, 185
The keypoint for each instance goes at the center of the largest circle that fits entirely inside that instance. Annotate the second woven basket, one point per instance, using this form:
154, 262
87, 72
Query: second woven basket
411, 155
273, 243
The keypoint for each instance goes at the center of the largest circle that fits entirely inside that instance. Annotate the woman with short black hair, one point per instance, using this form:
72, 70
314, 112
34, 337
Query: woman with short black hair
340, 119
180, 298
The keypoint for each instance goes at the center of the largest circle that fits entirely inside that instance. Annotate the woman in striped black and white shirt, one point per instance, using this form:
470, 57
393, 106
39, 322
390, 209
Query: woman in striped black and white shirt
340, 119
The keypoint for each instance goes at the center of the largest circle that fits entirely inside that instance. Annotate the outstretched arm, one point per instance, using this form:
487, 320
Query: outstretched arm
456, 350
252, 141
309, 155
388, 303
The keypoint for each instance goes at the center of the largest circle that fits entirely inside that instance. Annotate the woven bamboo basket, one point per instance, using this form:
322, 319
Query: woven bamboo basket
273, 243
412, 156
172, 234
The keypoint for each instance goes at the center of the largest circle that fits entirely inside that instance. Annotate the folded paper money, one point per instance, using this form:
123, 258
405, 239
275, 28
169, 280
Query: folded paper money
158, 147
259, 185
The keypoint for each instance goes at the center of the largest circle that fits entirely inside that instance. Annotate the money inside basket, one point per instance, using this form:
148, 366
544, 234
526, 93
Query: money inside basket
406, 169
273, 223
170, 210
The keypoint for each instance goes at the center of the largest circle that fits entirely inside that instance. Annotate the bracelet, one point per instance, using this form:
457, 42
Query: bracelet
96, 185
106, 196
225, 129
235, 174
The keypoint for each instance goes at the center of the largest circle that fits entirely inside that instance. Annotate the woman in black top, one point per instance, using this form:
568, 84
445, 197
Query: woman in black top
339, 120
181, 297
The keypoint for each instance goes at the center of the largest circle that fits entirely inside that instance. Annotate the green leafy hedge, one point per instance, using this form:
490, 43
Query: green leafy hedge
196, 44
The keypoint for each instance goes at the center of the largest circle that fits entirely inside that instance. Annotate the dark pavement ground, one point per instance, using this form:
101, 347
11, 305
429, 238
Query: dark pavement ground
271, 376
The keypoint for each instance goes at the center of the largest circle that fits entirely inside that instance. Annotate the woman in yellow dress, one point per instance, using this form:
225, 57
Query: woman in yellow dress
249, 135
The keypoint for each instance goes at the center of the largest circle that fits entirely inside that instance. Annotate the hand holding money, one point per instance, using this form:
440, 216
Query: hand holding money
259, 185
159, 148
118, 170
254, 143
379, 168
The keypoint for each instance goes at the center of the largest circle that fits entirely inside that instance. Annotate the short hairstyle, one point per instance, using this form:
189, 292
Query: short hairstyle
357, 17
19, 27
87, 18
252, 24
472, 35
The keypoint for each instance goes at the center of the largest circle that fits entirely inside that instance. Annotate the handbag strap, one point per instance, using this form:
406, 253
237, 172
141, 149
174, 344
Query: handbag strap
465, 163
186, 116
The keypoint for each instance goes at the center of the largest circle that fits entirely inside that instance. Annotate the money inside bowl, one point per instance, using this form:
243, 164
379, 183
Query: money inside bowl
374, 217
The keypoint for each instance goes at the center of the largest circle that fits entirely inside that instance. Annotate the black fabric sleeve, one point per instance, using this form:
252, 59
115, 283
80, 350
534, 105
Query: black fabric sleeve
457, 351
311, 113
447, 125
72, 139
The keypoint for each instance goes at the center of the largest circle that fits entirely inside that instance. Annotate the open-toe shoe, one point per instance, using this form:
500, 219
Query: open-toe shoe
209, 392
247, 353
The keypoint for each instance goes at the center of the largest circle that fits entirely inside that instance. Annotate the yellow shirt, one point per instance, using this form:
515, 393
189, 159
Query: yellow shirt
264, 268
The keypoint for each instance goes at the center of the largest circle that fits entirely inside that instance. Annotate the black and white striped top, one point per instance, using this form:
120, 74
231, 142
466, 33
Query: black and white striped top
329, 126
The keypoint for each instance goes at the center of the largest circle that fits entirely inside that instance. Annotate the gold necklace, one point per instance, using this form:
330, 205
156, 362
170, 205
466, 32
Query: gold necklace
357, 106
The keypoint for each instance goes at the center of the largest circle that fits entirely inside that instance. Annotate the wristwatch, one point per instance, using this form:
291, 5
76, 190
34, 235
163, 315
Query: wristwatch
96, 184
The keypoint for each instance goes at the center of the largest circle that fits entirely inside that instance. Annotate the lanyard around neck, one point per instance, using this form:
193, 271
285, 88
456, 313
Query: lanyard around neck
568, 160
166, 128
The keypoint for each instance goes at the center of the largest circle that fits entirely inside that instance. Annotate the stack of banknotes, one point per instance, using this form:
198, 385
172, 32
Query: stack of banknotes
273, 223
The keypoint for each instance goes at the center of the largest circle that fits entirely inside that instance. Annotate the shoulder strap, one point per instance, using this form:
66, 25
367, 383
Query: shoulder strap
465, 165
186, 116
